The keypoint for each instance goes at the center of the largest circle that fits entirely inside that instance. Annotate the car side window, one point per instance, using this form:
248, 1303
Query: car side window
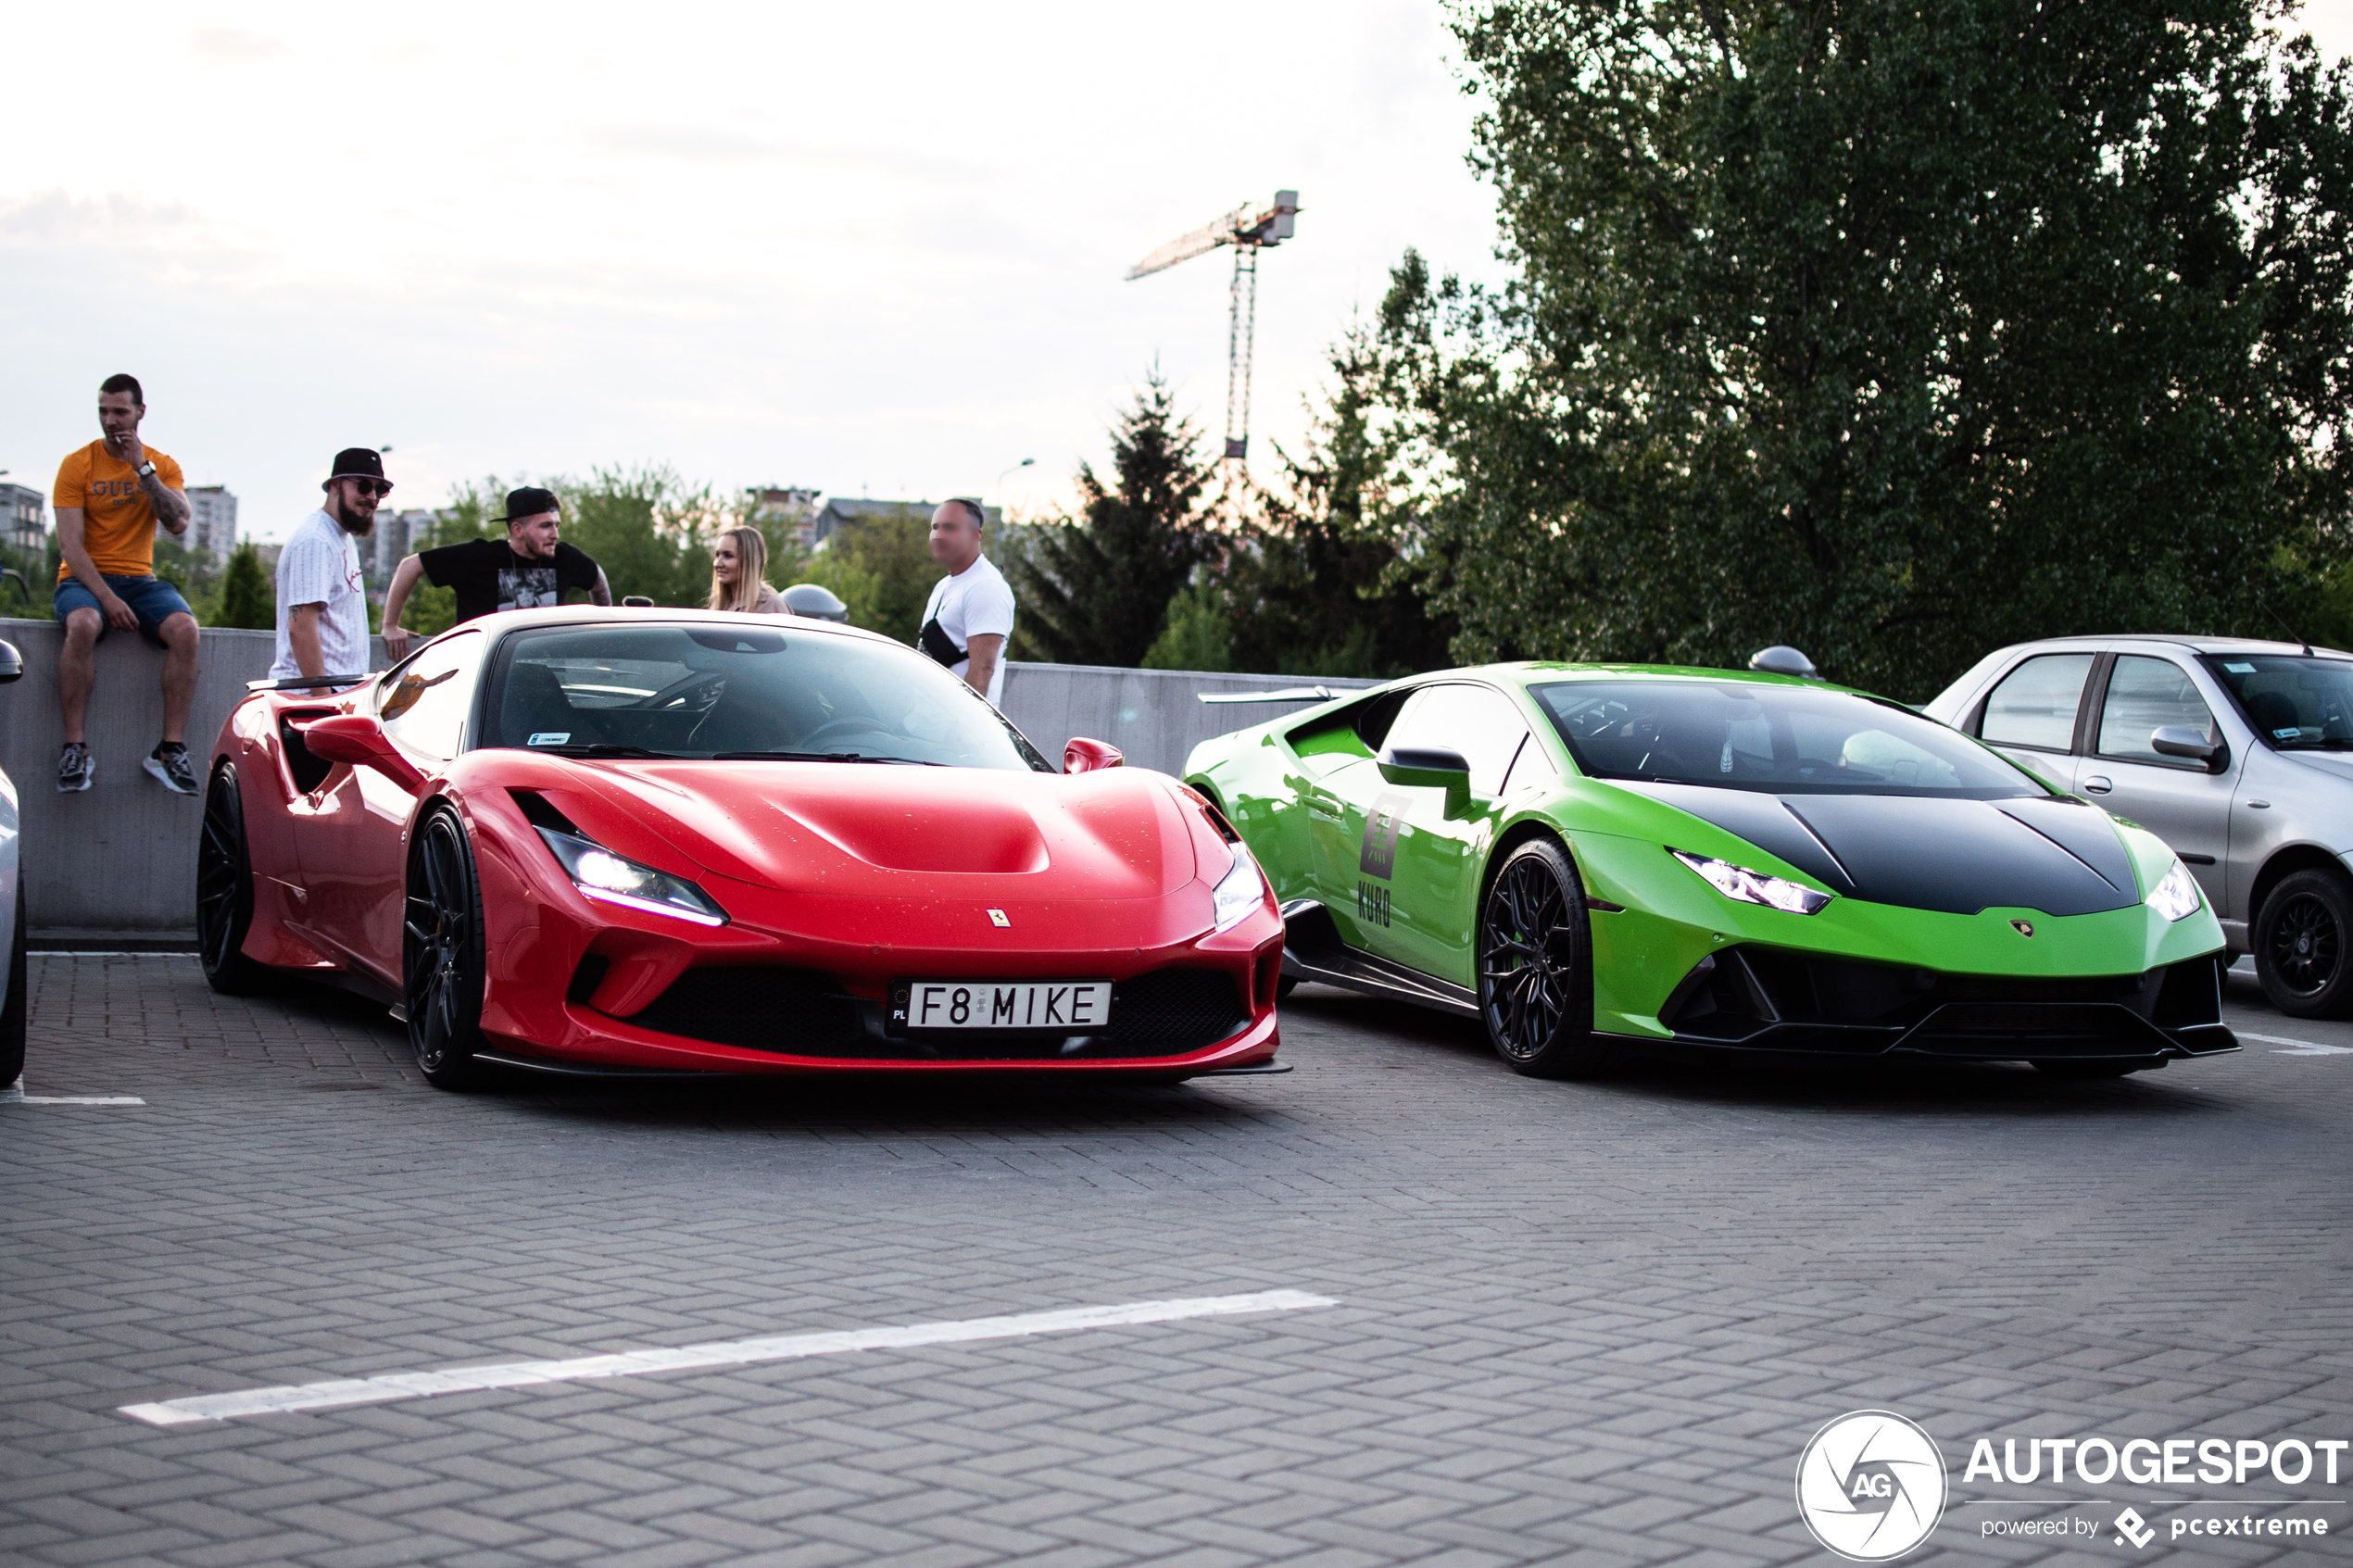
2035, 704
425, 707
2144, 694
1480, 723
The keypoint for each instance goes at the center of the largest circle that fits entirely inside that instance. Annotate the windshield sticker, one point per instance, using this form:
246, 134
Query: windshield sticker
551, 737
2240, 668
1382, 826
2290, 733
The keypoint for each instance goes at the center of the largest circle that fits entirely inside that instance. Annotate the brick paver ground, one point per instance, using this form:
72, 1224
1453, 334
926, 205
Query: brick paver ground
1579, 1323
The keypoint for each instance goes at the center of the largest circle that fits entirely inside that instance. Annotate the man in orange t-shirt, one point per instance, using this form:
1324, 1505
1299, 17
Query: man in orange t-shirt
109, 498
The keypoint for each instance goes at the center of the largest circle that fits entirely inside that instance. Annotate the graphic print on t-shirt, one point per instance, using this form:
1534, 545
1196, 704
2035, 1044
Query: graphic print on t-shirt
528, 587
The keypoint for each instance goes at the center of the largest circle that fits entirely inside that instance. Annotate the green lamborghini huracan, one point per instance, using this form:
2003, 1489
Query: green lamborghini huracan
1595, 859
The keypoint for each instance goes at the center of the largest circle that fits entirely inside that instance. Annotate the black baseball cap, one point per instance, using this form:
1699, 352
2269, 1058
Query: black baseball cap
355, 462
529, 501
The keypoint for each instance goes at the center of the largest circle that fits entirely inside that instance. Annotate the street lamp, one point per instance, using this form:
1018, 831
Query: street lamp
1001, 479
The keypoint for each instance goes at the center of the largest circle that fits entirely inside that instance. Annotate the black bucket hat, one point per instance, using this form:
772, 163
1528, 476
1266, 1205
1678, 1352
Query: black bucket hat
355, 462
529, 501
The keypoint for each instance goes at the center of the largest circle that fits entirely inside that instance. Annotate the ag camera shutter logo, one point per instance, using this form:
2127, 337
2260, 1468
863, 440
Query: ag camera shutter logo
1871, 1485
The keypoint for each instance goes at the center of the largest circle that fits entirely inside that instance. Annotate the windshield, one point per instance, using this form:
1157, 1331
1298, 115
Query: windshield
707, 690
1781, 740
2295, 703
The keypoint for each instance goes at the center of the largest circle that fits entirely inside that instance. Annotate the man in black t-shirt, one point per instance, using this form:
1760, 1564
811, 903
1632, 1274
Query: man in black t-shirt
531, 568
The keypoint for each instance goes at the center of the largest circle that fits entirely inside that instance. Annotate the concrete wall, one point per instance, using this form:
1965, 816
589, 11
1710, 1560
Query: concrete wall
121, 854
120, 857
1154, 716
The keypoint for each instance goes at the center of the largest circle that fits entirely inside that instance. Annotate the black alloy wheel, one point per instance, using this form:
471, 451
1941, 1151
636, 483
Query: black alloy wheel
224, 890
441, 952
12, 1014
1535, 967
2303, 944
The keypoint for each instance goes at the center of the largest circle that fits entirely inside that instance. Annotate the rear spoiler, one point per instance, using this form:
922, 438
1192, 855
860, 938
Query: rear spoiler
1288, 694
307, 683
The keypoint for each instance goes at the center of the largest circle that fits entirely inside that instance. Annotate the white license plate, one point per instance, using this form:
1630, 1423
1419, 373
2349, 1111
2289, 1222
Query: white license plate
1073, 1006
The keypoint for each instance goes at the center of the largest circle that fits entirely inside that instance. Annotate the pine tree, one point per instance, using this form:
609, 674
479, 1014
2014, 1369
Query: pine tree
247, 597
1323, 588
1097, 591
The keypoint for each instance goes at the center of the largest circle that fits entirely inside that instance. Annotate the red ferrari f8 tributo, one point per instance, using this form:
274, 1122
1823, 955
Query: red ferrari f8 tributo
656, 841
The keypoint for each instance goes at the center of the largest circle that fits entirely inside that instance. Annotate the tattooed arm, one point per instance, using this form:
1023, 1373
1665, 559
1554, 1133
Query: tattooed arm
172, 506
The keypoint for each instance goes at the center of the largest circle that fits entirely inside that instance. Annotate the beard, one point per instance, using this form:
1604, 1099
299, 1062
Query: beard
359, 526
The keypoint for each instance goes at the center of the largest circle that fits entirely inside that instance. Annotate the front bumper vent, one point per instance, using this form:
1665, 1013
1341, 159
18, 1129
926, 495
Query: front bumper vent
1767, 998
758, 1007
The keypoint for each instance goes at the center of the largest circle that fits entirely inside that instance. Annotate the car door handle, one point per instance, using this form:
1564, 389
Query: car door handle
2098, 783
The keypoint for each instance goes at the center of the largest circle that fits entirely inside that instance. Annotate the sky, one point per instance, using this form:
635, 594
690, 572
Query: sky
872, 249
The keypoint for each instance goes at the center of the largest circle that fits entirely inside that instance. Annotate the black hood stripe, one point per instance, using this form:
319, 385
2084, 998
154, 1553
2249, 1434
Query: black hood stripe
2052, 855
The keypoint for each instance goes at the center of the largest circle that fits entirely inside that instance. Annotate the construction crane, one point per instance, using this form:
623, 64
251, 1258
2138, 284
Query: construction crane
1250, 229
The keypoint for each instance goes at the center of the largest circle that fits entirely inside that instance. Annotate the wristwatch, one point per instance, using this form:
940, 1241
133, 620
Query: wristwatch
145, 470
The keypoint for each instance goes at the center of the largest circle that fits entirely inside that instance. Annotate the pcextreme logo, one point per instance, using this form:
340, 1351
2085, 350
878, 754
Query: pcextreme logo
1871, 1485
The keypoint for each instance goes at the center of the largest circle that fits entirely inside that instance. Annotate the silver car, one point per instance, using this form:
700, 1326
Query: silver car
2238, 754
13, 1001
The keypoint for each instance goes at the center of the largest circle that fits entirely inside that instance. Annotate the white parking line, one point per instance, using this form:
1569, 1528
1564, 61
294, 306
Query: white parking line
2304, 1047
685, 1358
14, 1095
104, 953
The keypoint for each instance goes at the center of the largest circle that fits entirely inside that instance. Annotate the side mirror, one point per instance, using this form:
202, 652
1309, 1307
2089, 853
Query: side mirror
2180, 740
358, 740
11, 663
1084, 756
1429, 767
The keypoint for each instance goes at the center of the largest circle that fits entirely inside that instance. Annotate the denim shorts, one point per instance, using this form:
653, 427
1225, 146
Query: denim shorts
152, 599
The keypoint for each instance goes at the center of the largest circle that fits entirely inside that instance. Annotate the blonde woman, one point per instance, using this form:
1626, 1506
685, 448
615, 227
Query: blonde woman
738, 574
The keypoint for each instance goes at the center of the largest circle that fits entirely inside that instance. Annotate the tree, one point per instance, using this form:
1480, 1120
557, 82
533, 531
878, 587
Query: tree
1199, 631
649, 531
1097, 590
248, 596
1320, 588
881, 567
1893, 331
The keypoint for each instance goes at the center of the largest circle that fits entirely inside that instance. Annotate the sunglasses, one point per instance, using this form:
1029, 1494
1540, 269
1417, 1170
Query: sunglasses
378, 487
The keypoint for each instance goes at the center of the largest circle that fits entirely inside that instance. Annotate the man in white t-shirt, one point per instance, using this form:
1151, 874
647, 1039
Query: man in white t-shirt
971, 612
323, 608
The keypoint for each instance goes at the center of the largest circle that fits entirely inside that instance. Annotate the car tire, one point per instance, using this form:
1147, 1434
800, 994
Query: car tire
1285, 987
19, 1005
441, 952
1535, 967
2304, 946
224, 890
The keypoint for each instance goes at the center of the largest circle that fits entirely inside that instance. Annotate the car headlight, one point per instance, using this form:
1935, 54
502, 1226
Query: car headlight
1242, 891
2177, 896
607, 877
1742, 885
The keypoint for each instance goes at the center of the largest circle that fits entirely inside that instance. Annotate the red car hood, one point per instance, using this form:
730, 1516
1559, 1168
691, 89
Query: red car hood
895, 832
